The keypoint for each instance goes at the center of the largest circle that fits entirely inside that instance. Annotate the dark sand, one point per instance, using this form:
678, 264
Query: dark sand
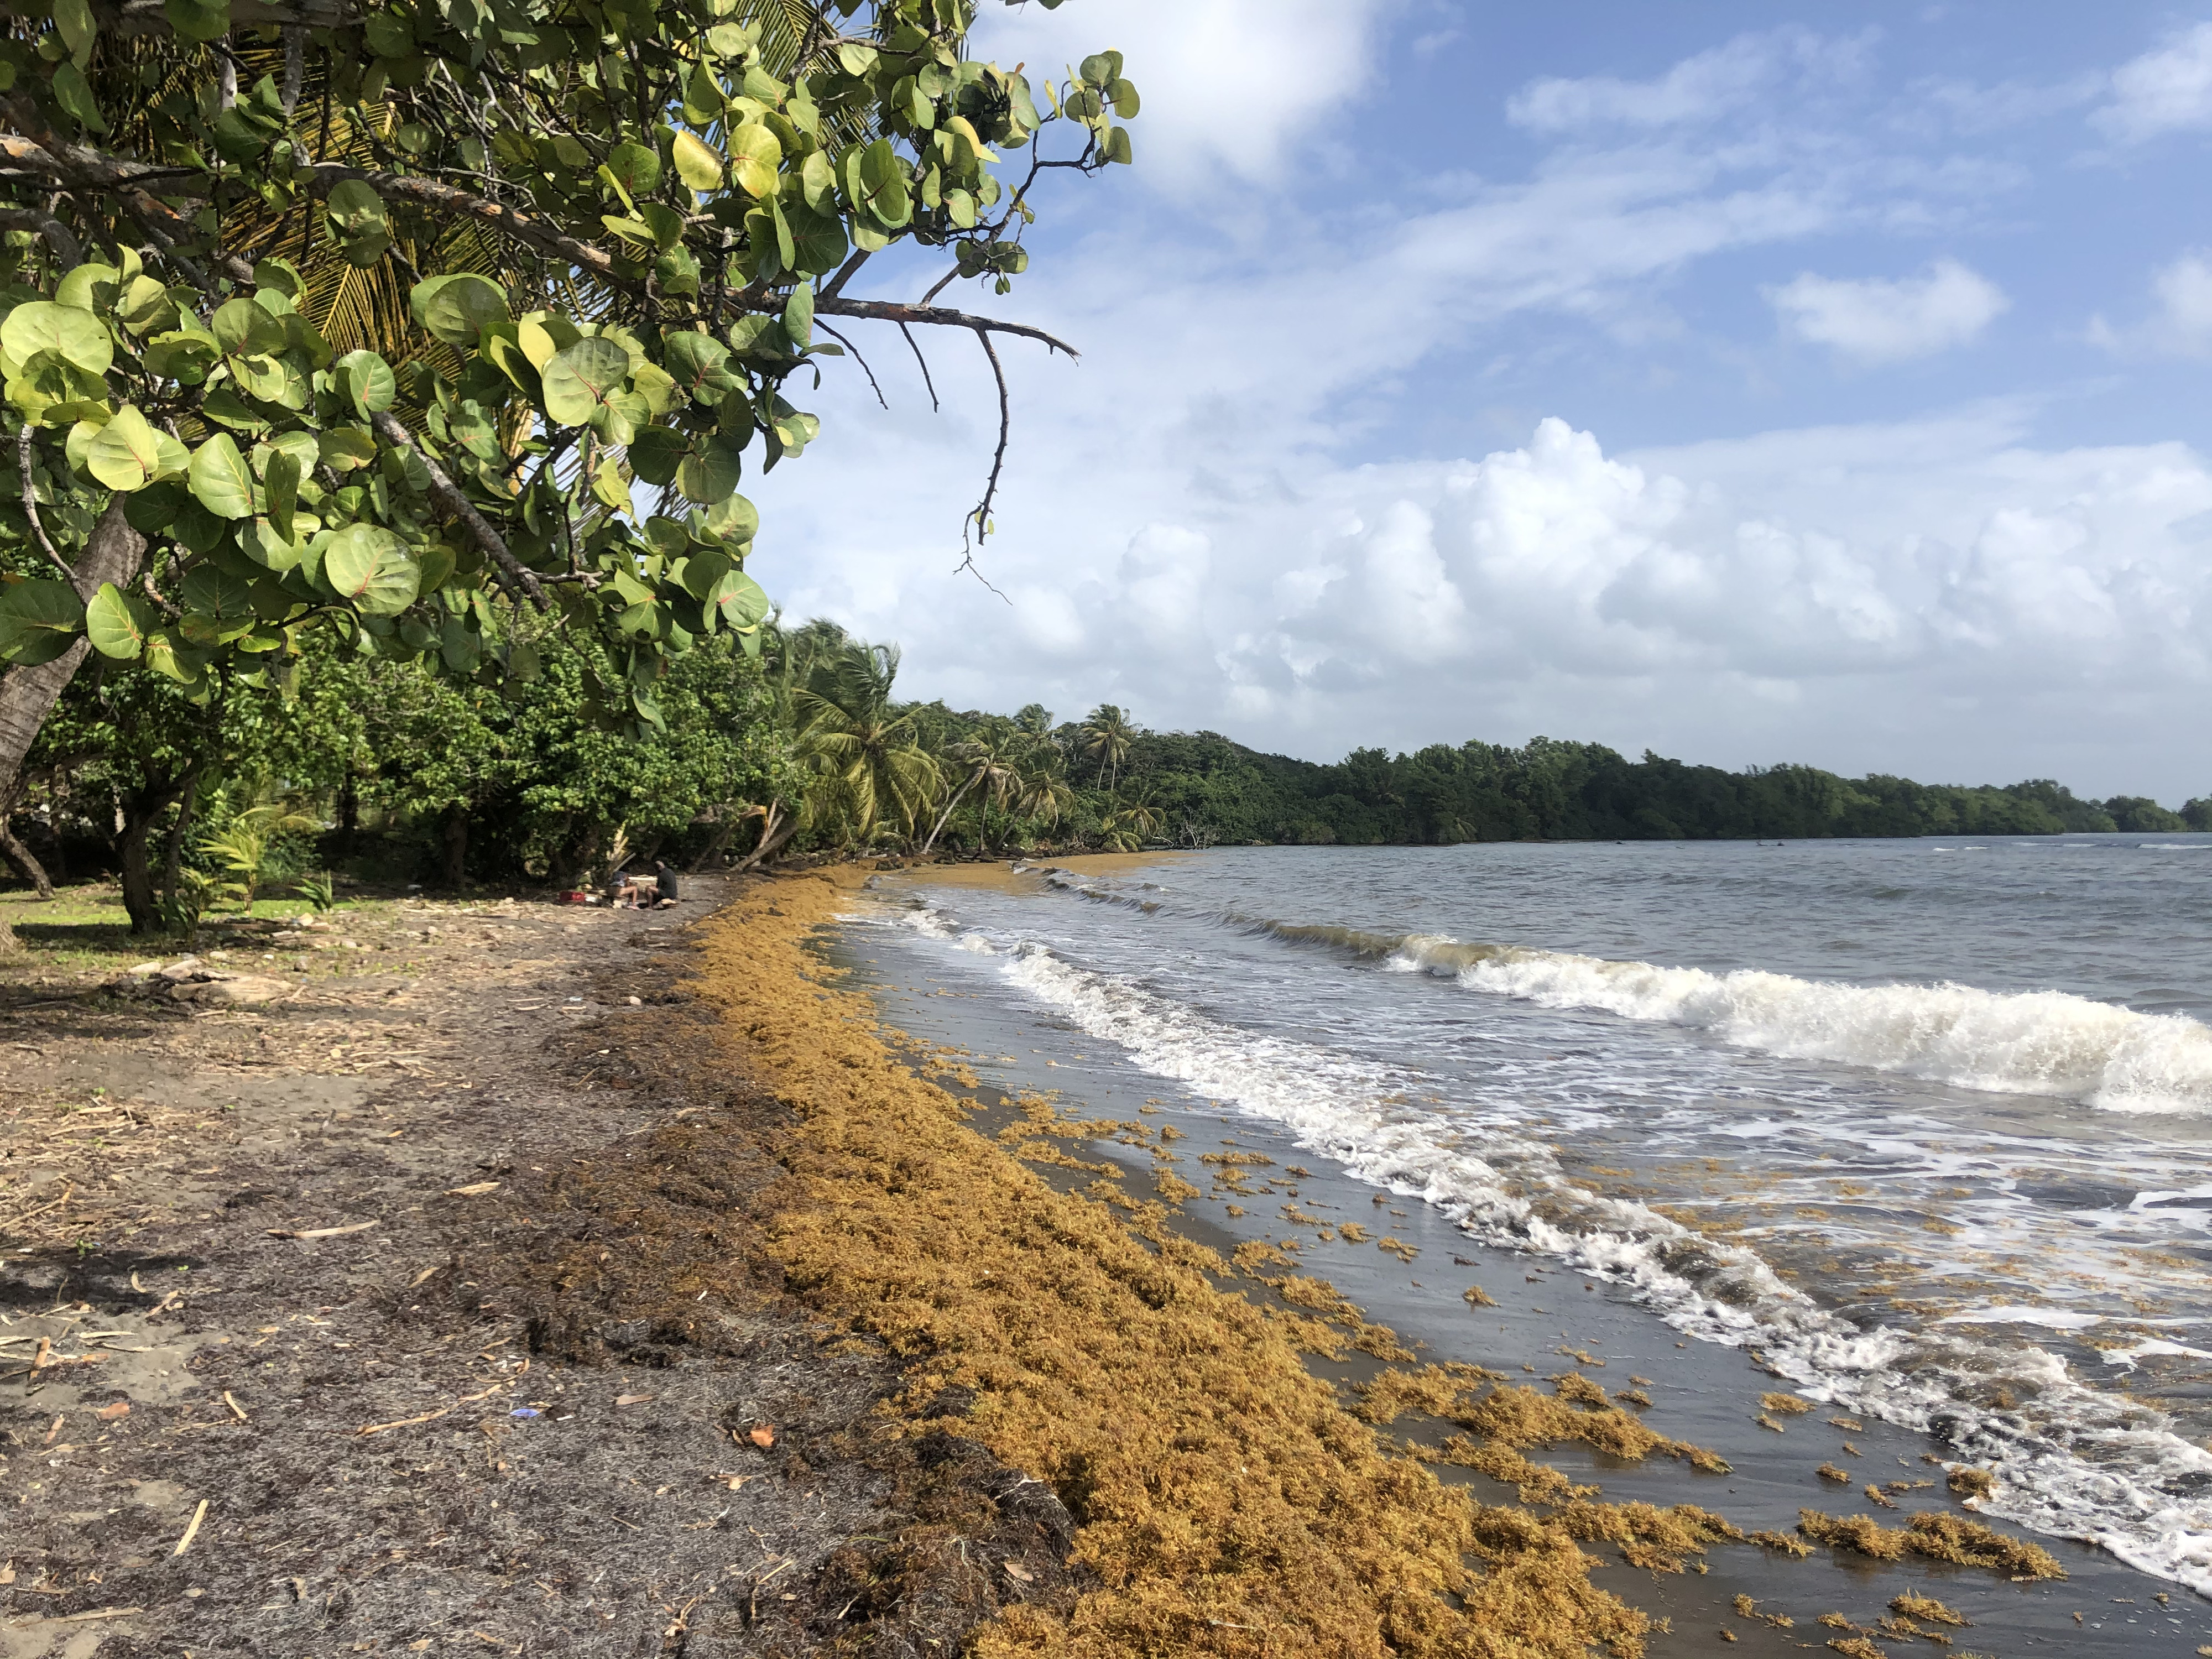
1702, 1393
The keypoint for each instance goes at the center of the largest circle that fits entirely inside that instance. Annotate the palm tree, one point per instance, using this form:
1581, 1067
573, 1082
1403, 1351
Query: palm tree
991, 758
1044, 793
1136, 816
859, 742
1105, 738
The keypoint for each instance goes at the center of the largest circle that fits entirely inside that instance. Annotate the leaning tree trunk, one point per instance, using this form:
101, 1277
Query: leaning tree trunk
772, 838
28, 696
21, 857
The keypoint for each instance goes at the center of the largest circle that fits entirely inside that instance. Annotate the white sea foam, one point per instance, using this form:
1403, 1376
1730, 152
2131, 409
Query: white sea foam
2073, 1462
2039, 1042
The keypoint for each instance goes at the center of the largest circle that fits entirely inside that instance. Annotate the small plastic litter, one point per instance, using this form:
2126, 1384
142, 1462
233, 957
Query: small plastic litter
524, 1411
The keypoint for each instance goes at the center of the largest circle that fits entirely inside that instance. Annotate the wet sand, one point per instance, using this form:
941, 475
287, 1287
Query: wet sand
1547, 1320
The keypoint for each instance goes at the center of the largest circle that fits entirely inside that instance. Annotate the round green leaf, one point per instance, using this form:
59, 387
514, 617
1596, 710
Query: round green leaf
242, 327
455, 308
219, 479
215, 592
738, 600
366, 381
371, 569
655, 452
38, 620
710, 472
635, 166
355, 206
700, 165
578, 380
118, 625
754, 156
76, 337
344, 448
126, 454
281, 476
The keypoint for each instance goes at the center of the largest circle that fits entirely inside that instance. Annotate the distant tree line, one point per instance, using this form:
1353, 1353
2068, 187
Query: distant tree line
1211, 789
384, 771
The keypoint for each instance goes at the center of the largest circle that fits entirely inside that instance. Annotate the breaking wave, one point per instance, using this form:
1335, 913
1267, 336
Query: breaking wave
2030, 1042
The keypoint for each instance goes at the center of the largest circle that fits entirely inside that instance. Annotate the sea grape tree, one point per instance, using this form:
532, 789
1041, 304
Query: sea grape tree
446, 323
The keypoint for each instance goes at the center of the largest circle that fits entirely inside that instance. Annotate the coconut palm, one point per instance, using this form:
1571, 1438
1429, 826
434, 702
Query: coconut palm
1134, 817
859, 745
989, 762
1105, 738
1045, 794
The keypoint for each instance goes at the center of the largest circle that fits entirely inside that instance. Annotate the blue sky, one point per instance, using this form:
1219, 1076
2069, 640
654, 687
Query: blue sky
1746, 386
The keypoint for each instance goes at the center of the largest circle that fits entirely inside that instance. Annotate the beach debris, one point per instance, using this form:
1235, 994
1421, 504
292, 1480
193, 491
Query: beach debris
321, 1232
236, 1410
1634, 1397
1971, 1483
761, 1434
1795, 1547
1852, 1449
193, 1530
1747, 1608
1876, 1495
1848, 1424
1787, 1404
625, 1399
108, 1413
1912, 1605
1830, 1472
1937, 1535
474, 1190
1766, 1422
1018, 1572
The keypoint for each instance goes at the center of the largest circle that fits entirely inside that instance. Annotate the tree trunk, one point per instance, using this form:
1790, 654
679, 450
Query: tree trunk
945, 817
456, 835
18, 855
28, 696
772, 838
349, 814
138, 896
172, 863
723, 831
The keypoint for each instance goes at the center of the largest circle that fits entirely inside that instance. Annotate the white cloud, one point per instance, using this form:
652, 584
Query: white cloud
2180, 324
1699, 88
1231, 88
2167, 90
1879, 322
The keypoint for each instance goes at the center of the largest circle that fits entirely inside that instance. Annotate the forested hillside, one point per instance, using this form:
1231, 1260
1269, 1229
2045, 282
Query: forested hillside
1551, 790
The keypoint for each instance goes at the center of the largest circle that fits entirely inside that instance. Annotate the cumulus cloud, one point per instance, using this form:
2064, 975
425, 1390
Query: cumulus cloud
1232, 89
2180, 320
2166, 90
1879, 322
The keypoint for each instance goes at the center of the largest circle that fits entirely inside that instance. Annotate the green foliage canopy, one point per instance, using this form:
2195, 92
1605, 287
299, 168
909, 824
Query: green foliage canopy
636, 218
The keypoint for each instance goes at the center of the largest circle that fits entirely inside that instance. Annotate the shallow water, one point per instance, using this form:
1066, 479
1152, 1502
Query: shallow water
1927, 1123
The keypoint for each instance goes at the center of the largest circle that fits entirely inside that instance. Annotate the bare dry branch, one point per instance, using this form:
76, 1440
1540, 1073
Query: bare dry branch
447, 494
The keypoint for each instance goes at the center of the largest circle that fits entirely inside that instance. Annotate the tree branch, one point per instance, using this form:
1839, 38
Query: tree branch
888, 310
858, 359
447, 495
981, 518
56, 234
31, 506
934, 407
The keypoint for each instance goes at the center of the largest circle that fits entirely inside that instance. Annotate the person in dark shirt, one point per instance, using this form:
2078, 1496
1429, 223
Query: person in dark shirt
664, 881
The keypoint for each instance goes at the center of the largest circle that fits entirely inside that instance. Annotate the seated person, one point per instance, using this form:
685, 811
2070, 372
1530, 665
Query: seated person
662, 890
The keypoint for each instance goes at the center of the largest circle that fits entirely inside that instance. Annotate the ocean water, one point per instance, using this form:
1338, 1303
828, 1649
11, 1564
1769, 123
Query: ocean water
1926, 1124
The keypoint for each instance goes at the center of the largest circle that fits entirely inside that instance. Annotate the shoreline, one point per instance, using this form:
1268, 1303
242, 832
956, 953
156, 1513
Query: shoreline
578, 1280
1704, 1393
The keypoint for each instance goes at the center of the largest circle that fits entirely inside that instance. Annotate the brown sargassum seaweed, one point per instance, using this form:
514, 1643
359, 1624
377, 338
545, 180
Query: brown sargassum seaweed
1225, 1501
